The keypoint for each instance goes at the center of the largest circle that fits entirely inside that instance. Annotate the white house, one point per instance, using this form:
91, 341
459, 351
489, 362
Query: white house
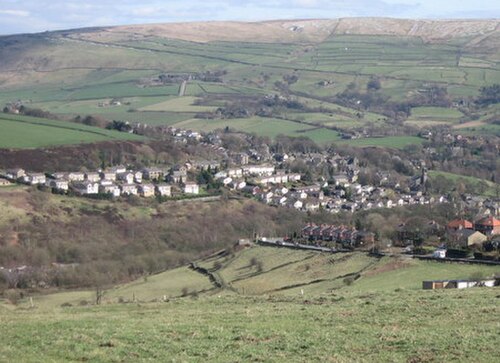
76, 176
92, 177
137, 176
36, 178
108, 175
235, 172
110, 189
129, 189
191, 188
126, 177
259, 169
164, 190
86, 187
59, 184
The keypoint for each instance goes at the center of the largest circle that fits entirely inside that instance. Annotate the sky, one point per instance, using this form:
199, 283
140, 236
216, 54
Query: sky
29, 16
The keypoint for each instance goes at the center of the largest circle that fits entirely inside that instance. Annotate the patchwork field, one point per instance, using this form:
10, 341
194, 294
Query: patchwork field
276, 271
30, 132
96, 66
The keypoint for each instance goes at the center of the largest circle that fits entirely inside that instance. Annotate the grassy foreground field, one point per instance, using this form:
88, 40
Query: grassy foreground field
30, 132
396, 326
292, 306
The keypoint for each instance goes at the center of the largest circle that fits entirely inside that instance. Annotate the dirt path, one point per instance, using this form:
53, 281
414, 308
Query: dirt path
469, 124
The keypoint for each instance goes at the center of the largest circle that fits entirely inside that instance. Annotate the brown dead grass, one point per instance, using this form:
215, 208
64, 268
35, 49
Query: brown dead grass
469, 124
309, 30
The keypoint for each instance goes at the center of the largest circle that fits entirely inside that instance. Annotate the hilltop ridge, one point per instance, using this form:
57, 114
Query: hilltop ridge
310, 30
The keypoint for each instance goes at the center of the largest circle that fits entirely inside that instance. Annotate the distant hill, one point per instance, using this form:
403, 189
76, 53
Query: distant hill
73, 72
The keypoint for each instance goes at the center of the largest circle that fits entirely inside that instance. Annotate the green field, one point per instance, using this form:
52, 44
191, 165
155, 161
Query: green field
481, 186
180, 104
294, 306
395, 142
30, 132
430, 116
277, 271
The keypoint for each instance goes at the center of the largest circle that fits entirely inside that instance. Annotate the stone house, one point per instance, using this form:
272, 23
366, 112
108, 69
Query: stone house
146, 190
467, 237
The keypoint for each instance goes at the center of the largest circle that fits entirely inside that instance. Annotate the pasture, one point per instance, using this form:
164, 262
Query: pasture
30, 132
263, 126
276, 305
430, 116
395, 142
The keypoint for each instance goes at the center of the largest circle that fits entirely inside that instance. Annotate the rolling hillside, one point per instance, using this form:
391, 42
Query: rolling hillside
74, 72
272, 271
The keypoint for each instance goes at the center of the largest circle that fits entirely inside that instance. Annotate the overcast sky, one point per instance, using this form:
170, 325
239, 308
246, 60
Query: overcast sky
27, 16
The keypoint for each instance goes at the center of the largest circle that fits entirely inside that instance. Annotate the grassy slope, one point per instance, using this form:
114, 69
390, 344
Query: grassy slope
31, 132
374, 319
281, 272
490, 190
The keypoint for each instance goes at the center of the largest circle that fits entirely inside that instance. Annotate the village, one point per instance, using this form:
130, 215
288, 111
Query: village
256, 172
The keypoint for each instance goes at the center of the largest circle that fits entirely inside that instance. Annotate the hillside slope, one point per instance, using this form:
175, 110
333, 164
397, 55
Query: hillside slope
272, 271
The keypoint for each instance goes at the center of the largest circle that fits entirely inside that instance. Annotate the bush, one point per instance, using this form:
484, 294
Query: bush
13, 296
348, 281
